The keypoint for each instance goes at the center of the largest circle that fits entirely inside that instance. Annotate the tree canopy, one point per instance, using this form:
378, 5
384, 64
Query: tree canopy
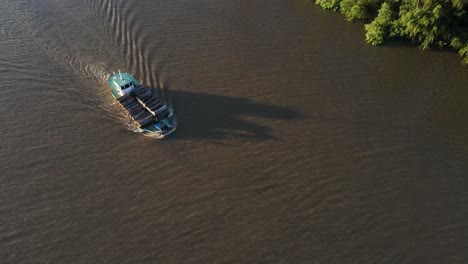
430, 23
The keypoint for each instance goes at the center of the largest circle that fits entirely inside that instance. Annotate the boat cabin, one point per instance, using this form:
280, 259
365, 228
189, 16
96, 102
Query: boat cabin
121, 84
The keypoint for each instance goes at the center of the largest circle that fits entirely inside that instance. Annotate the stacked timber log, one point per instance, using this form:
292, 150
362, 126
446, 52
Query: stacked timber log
154, 103
136, 110
142, 92
143, 107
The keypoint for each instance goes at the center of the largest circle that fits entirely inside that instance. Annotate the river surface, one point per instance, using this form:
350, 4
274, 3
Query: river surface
297, 142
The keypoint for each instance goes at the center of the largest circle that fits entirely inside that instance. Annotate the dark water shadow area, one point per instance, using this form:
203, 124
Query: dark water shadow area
215, 117
408, 44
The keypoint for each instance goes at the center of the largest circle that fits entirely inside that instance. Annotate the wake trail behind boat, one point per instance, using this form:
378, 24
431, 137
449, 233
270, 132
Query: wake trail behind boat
93, 51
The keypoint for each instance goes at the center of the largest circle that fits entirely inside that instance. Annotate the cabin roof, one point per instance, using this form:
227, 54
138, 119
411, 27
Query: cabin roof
117, 80
121, 79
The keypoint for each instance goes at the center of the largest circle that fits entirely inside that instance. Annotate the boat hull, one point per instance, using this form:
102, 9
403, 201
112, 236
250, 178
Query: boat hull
161, 133
149, 112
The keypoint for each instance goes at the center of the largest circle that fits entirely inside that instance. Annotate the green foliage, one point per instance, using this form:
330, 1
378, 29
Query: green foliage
329, 4
456, 43
375, 34
353, 10
431, 23
379, 29
458, 4
359, 10
423, 24
464, 54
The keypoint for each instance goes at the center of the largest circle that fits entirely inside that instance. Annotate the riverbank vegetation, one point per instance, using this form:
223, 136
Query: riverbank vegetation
430, 23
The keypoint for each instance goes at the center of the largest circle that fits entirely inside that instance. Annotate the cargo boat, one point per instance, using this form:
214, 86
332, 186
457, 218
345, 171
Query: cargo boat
149, 112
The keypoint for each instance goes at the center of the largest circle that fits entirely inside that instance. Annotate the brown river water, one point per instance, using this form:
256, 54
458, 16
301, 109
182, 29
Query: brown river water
297, 142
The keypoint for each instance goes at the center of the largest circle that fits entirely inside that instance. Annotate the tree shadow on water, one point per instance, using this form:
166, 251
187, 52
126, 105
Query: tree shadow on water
217, 117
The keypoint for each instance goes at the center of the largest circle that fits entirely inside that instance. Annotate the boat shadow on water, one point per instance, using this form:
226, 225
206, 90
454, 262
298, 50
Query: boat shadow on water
215, 117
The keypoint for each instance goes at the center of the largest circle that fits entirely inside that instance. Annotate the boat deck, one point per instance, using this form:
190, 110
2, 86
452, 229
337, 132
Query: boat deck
136, 110
144, 107
152, 103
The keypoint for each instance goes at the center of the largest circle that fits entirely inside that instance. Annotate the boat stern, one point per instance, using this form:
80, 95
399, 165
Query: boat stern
164, 127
